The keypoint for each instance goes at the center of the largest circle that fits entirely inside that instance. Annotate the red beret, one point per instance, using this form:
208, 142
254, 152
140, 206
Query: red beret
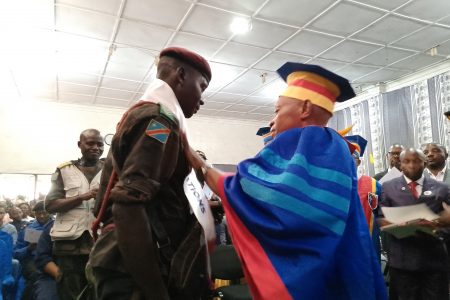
193, 59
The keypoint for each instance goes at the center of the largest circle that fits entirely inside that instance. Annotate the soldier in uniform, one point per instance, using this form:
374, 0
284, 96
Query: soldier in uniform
74, 187
150, 242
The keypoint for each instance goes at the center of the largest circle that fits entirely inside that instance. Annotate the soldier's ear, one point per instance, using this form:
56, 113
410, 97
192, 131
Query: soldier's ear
181, 75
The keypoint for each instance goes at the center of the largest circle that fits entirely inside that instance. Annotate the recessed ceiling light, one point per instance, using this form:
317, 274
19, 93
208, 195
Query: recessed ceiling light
241, 25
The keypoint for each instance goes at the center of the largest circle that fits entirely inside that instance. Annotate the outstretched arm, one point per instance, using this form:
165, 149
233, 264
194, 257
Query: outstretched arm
210, 174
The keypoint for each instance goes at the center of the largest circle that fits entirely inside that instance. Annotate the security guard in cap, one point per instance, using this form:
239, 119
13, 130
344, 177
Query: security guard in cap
149, 244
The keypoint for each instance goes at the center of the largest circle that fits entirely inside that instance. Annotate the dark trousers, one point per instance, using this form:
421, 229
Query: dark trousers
45, 289
73, 280
419, 285
114, 285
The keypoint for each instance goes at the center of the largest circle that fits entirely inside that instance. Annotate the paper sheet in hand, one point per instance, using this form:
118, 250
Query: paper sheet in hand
32, 235
408, 213
393, 173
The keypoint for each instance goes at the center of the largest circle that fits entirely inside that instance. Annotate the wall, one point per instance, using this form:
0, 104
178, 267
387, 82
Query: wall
37, 136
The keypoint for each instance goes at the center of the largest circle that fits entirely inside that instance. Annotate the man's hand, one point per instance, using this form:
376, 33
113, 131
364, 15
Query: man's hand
89, 195
66, 204
444, 218
31, 247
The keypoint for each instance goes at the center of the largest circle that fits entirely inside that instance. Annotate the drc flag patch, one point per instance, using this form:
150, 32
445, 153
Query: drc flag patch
157, 131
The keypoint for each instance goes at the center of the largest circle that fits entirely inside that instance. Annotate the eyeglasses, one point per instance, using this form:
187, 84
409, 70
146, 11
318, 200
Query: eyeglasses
394, 153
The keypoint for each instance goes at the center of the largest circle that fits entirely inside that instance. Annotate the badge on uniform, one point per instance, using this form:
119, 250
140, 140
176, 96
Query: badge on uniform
157, 131
373, 200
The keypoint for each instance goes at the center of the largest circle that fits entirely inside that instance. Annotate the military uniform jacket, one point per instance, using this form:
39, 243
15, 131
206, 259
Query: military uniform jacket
146, 152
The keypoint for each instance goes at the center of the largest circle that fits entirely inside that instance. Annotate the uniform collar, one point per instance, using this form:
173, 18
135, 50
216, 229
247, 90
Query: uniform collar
160, 92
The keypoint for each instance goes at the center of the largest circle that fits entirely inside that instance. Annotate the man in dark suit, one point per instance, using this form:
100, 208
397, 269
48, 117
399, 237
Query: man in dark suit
418, 264
437, 162
393, 157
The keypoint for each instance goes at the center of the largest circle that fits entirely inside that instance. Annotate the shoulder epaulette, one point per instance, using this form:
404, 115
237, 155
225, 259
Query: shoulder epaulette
165, 112
65, 164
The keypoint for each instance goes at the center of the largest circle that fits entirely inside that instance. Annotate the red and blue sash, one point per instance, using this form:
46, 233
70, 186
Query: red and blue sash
294, 215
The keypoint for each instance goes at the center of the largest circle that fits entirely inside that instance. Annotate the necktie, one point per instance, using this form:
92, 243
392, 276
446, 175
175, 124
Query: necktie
412, 186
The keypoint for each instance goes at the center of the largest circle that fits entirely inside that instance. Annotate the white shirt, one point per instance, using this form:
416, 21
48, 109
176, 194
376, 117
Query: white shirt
440, 175
419, 186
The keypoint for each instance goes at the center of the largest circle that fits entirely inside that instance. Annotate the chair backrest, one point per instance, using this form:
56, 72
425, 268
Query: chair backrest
6, 249
225, 263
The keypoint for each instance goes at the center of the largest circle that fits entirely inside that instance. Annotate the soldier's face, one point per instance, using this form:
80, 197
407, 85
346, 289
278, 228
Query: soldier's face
91, 146
190, 98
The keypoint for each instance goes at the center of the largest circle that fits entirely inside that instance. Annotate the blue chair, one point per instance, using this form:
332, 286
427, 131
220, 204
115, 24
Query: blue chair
6, 248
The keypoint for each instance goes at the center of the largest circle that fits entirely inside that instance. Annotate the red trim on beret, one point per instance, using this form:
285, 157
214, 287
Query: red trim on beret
193, 59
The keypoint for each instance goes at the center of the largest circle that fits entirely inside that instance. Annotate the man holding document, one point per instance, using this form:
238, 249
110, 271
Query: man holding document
418, 261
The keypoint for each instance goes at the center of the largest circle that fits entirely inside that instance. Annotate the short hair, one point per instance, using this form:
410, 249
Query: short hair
39, 206
90, 130
396, 146
201, 153
413, 150
166, 65
442, 147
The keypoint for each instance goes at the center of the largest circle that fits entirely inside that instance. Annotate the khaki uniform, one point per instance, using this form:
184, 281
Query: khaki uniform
71, 230
150, 171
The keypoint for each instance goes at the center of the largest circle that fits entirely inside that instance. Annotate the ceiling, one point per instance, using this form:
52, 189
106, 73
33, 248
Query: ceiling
102, 52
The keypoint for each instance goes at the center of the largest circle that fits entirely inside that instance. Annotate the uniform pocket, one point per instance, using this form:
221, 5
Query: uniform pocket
72, 186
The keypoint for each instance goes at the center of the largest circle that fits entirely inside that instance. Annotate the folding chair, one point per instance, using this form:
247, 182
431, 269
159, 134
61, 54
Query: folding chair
225, 264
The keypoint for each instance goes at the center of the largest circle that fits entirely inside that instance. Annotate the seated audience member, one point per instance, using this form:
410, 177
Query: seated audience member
418, 264
7, 227
25, 250
16, 215
437, 162
48, 271
393, 156
26, 210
